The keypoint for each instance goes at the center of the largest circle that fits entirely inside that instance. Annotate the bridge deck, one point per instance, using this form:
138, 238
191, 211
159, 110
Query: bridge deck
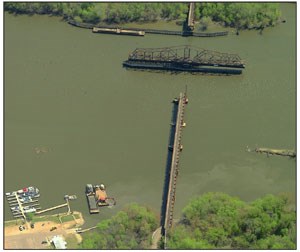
190, 16
174, 166
186, 56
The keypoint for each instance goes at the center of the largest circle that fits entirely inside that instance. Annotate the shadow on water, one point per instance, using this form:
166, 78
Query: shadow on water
168, 164
208, 72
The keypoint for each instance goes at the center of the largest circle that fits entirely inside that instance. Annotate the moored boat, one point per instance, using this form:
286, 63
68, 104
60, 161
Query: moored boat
30, 191
97, 197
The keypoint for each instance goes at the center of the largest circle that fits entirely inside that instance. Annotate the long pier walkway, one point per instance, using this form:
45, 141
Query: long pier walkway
55, 207
172, 168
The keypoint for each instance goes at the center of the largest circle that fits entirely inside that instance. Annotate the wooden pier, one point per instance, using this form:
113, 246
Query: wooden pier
18, 207
172, 168
53, 208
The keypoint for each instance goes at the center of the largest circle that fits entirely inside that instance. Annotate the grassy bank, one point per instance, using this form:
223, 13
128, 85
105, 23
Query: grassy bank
56, 218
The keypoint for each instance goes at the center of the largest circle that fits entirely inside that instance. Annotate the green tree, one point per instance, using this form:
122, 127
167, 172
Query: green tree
238, 15
216, 220
131, 228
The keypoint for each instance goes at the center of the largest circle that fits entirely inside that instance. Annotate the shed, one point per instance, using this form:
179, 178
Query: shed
59, 242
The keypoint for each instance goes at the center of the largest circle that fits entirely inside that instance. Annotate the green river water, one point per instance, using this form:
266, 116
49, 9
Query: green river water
67, 93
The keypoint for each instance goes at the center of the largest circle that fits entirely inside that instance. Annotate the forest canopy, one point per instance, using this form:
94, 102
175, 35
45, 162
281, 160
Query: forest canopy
238, 15
210, 221
131, 228
218, 221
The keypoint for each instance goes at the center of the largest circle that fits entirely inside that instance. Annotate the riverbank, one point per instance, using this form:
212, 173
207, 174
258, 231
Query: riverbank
142, 31
32, 238
238, 15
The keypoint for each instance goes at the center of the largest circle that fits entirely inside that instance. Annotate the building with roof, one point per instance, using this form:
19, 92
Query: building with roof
59, 242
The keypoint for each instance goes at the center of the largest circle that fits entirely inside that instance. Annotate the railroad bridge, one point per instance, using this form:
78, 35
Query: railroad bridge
172, 167
191, 17
185, 58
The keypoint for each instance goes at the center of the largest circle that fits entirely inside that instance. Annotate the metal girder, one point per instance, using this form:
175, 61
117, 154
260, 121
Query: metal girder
188, 54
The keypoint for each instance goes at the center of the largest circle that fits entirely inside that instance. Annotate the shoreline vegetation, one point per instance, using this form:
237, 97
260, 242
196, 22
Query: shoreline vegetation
211, 221
55, 218
235, 15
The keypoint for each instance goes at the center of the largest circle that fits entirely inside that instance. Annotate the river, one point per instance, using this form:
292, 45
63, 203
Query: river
74, 115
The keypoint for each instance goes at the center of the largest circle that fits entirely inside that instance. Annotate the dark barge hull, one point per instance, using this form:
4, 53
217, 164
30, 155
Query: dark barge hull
167, 66
92, 204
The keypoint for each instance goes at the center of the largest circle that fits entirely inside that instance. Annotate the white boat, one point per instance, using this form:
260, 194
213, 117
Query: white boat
29, 191
26, 199
26, 209
30, 210
70, 197
10, 194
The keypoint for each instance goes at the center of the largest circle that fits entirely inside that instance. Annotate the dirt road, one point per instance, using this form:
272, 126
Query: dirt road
31, 238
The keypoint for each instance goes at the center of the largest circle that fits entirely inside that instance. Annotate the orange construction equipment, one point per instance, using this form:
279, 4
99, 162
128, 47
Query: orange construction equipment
101, 195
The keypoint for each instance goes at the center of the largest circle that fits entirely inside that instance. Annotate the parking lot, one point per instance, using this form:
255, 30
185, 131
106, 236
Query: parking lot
31, 238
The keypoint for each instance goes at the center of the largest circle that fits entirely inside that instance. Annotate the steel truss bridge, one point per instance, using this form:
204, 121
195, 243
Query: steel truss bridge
186, 55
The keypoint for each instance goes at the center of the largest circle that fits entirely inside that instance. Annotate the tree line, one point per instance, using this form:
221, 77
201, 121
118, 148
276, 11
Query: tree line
238, 15
211, 221
218, 221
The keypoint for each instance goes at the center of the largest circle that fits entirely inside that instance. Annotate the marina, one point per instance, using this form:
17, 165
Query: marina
23, 201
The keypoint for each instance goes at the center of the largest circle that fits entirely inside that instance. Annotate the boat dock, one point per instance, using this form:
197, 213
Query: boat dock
172, 167
53, 208
21, 203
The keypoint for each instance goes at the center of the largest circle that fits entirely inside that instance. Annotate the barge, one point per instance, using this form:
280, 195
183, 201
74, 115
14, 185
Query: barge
90, 194
118, 31
97, 197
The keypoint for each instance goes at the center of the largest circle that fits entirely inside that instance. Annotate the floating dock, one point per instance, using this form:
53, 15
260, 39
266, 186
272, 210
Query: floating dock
185, 58
23, 201
172, 168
